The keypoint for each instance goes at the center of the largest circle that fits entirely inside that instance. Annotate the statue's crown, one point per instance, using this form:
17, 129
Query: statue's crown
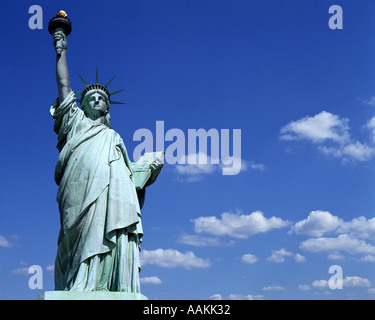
97, 86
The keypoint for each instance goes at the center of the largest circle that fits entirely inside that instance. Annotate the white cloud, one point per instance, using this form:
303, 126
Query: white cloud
347, 282
216, 296
150, 280
171, 258
320, 284
25, 270
369, 101
4, 242
325, 128
278, 256
356, 282
249, 258
359, 227
256, 166
50, 268
20, 271
243, 165
237, 225
273, 288
351, 151
368, 258
321, 127
335, 256
351, 235
199, 165
343, 242
200, 241
304, 287
320, 222
371, 126
317, 223
195, 171
245, 297
299, 258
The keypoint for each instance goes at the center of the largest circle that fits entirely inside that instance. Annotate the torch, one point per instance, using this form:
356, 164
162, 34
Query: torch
60, 23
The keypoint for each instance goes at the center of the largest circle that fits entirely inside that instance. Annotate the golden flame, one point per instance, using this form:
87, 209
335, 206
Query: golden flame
62, 13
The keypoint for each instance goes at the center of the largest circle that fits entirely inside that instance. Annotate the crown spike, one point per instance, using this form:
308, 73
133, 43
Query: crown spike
106, 85
96, 76
116, 102
114, 92
97, 86
84, 82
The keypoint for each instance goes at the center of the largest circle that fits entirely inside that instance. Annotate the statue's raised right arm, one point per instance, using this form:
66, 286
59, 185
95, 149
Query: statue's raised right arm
62, 74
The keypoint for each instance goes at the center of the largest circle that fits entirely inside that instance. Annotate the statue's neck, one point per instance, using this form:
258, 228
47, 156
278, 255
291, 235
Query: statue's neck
98, 118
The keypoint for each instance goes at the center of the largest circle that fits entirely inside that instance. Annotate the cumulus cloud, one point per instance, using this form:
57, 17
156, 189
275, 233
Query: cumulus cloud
347, 282
150, 280
24, 271
371, 126
344, 236
368, 258
343, 242
299, 258
196, 166
20, 271
317, 223
238, 225
369, 101
359, 227
335, 256
351, 151
279, 256
304, 287
356, 282
249, 258
273, 288
243, 165
321, 222
245, 297
200, 241
321, 127
51, 268
331, 135
5, 243
171, 258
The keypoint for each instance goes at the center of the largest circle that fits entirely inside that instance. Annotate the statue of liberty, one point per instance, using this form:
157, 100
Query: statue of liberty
99, 201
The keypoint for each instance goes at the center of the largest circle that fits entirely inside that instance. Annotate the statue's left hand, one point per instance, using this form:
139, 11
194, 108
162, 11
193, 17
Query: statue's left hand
155, 167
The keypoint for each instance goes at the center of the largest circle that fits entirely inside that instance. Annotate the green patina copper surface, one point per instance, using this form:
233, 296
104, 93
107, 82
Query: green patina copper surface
99, 197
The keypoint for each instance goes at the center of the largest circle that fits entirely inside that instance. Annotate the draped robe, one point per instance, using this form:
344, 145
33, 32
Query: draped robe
101, 230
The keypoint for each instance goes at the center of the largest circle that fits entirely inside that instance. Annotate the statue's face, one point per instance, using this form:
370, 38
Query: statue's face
96, 104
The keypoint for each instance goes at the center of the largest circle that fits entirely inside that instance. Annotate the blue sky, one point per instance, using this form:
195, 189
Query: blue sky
302, 94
